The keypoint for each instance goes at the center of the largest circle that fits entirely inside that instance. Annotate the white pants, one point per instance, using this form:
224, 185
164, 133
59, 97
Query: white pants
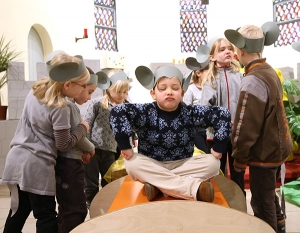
179, 178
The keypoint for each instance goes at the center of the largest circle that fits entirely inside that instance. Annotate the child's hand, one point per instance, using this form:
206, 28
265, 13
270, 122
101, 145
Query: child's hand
127, 154
86, 125
216, 154
86, 157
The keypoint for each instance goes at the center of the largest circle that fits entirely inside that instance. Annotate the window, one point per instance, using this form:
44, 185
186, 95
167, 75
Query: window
105, 25
193, 25
286, 14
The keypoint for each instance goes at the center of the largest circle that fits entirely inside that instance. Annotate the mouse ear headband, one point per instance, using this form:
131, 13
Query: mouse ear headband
65, 71
271, 32
148, 80
201, 61
104, 82
296, 46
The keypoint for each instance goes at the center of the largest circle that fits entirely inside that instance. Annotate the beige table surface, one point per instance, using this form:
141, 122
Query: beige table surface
230, 190
175, 216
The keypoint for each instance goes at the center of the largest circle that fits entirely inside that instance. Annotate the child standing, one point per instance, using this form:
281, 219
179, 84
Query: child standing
43, 128
221, 87
97, 115
260, 134
193, 94
69, 169
166, 130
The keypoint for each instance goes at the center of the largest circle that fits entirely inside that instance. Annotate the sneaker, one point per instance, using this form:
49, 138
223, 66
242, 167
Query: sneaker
151, 191
281, 226
205, 192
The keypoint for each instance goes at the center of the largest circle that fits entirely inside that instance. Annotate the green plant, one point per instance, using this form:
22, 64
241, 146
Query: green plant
6, 55
292, 106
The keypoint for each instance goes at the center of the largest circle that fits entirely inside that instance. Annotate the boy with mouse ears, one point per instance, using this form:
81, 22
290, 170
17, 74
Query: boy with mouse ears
166, 129
260, 134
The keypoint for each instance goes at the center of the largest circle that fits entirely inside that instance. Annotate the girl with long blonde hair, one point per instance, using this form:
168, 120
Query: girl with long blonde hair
43, 129
221, 87
97, 115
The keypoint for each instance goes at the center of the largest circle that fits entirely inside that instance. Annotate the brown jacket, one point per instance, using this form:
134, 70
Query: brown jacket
260, 134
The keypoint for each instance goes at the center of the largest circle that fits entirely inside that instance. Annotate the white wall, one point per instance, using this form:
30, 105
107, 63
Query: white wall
148, 30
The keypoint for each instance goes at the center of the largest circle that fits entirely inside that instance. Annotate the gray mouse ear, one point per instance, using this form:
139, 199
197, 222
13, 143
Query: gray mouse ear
235, 38
201, 61
271, 32
103, 80
192, 63
145, 76
296, 46
186, 82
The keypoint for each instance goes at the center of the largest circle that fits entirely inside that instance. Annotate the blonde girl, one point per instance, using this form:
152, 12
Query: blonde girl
97, 115
43, 128
221, 87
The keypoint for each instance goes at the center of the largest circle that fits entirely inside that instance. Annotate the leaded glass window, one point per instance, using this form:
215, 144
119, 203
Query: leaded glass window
287, 15
105, 25
193, 25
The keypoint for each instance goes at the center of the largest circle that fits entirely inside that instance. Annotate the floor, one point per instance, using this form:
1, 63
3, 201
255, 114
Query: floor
292, 221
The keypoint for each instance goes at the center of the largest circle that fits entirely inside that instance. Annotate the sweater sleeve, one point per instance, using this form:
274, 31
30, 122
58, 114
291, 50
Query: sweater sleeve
249, 119
91, 114
126, 119
85, 145
65, 140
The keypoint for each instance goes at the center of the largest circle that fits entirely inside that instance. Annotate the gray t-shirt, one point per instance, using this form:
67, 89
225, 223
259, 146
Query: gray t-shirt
32, 157
84, 144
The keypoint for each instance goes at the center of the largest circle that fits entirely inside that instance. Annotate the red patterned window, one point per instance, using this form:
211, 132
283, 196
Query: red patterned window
287, 15
193, 25
105, 25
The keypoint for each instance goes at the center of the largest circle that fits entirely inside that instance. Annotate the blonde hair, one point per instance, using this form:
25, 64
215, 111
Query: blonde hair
48, 91
252, 32
213, 69
117, 87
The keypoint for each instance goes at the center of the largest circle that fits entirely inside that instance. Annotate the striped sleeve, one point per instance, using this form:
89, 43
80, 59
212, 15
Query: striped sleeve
65, 139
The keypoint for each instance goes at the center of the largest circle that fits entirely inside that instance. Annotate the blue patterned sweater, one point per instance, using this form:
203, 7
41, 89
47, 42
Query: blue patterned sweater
168, 136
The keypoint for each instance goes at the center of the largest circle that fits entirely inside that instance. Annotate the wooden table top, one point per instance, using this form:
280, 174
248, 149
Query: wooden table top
175, 216
230, 190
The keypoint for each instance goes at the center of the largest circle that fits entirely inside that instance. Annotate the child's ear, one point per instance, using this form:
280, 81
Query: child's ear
182, 93
212, 58
67, 85
152, 93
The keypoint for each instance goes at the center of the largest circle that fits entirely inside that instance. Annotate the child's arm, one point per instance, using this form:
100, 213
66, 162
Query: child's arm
217, 117
65, 140
85, 145
91, 112
124, 120
209, 95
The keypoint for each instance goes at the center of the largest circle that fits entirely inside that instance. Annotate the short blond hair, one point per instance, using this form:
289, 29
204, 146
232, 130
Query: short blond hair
252, 32
49, 91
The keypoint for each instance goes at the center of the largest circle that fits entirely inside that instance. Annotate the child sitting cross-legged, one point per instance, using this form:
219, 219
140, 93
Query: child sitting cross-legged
166, 129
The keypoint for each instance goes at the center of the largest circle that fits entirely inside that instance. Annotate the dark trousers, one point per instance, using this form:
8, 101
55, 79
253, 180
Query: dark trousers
100, 163
70, 195
200, 141
43, 208
237, 177
264, 201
